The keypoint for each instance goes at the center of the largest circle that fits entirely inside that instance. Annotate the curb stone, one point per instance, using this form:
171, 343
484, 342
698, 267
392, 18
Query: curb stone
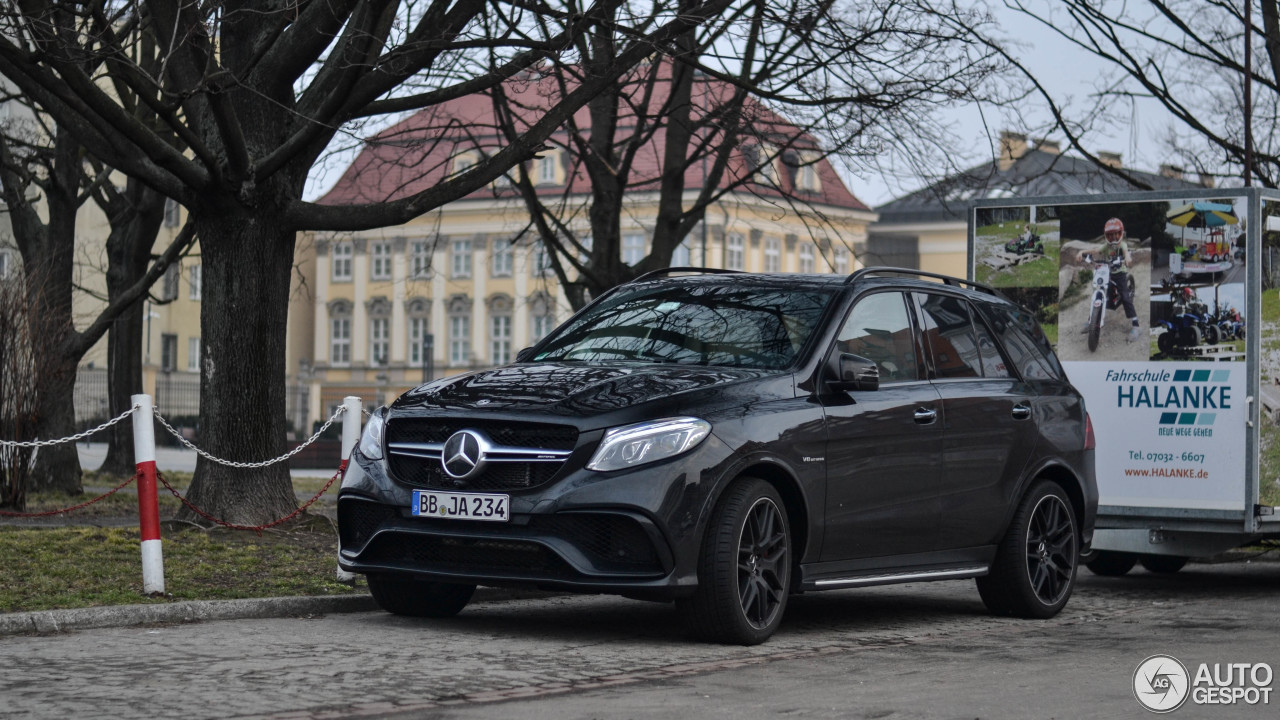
114, 616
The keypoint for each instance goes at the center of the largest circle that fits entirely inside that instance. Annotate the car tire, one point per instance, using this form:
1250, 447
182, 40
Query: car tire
408, 596
1163, 564
1035, 565
744, 569
1109, 563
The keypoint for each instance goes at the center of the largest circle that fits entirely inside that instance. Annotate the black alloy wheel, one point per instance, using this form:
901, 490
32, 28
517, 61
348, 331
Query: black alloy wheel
744, 572
1035, 566
1051, 549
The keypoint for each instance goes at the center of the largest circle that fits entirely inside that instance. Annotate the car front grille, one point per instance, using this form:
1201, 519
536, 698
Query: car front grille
427, 472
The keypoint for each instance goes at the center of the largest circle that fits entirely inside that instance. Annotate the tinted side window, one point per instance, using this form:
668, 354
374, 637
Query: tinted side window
993, 365
879, 329
1024, 342
948, 334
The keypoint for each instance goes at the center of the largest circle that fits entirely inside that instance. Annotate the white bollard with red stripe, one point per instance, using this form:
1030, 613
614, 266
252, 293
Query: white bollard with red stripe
351, 427
144, 452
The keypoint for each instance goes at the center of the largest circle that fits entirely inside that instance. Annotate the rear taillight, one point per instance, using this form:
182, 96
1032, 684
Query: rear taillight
1089, 441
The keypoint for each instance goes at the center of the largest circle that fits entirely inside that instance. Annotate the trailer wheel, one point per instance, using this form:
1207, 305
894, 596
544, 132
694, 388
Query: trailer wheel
1163, 564
1109, 563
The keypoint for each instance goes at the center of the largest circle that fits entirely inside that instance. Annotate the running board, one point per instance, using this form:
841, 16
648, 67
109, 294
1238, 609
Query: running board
953, 574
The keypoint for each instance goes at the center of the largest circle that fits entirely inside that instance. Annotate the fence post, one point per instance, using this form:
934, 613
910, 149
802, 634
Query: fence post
144, 451
352, 420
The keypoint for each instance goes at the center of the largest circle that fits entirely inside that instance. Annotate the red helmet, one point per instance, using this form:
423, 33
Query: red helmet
1113, 226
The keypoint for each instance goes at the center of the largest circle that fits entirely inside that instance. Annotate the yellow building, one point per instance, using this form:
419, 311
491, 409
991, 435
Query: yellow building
473, 280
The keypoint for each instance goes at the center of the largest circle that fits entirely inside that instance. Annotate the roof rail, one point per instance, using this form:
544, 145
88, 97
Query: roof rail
667, 271
948, 279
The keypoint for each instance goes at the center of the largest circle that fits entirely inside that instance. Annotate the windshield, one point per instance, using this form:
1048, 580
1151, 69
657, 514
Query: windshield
712, 324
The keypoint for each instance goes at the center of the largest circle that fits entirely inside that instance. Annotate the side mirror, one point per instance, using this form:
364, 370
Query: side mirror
856, 373
524, 355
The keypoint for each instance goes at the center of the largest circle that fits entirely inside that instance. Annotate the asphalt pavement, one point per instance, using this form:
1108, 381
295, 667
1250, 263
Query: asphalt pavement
903, 651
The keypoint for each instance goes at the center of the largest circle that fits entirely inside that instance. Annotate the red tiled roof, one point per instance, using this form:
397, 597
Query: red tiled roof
414, 154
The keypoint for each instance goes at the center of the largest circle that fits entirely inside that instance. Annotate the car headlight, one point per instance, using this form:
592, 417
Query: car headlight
371, 440
646, 442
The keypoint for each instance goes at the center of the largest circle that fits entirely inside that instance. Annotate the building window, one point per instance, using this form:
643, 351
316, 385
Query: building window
632, 249
503, 258
168, 352
463, 163
762, 157
340, 333
681, 256
380, 267
806, 257
342, 253
420, 260
547, 168
193, 283
193, 354
461, 259
172, 213
169, 284
772, 255
4, 264
841, 261
541, 261
543, 317
459, 332
733, 251
807, 173
418, 310
379, 340
500, 339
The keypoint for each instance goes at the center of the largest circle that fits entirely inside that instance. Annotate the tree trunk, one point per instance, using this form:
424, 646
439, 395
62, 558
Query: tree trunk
57, 467
128, 254
50, 279
247, 259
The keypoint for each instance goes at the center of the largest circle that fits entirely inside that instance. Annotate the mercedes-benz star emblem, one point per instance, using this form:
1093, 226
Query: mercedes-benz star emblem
463, 454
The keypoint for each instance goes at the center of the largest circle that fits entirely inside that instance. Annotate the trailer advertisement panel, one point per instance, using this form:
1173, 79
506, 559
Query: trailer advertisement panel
1146, 304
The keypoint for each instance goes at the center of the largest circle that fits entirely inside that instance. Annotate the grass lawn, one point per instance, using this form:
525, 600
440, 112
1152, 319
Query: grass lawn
1042, 272
82, 567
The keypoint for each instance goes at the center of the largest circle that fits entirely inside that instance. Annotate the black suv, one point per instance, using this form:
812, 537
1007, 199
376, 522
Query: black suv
724, 440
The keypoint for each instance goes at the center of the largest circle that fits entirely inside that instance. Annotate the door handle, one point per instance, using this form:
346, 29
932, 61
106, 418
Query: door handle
1021, 411
926, 416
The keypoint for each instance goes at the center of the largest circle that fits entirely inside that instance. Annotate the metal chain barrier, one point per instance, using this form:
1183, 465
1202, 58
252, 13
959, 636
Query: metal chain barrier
47, 513
81, 436
264, 463
256, 528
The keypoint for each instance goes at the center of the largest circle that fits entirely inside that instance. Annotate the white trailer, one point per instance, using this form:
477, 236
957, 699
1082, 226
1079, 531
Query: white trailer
1180, 422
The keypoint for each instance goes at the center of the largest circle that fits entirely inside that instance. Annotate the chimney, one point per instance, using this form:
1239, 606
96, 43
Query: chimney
1206, 180
1048, 146
1171, 171
1110, 159
1012, 146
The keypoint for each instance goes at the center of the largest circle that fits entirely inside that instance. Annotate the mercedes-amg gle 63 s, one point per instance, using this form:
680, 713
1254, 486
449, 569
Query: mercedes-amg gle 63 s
725, 440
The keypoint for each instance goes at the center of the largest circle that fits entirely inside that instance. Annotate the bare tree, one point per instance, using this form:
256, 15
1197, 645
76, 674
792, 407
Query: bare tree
255, 91
783, 86
1188, 56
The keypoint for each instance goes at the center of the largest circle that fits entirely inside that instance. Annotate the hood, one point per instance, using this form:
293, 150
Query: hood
573, 389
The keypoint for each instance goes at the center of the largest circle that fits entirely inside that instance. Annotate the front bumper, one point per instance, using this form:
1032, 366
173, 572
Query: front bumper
631, 532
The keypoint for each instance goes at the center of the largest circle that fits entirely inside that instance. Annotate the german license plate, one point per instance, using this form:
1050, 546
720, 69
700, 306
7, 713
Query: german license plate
460, 506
